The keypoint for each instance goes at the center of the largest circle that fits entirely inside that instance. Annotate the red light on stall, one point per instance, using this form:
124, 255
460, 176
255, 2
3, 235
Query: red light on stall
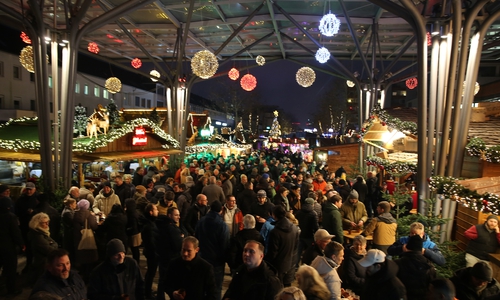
139, 138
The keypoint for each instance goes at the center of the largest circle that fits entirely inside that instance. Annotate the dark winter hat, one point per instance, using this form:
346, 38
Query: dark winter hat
106, 183
261, 193
30, 185
342, 182
309, 201
492, 217
353, 195
216, 206
3, 188
265, 176
415, 243
114, 246
482, 271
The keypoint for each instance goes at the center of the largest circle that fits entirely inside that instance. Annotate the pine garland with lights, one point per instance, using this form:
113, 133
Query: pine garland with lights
214, 147
477, 147
391, 167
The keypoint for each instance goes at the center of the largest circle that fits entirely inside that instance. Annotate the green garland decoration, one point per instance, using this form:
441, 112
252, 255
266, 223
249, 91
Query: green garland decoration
391, 167
212, 147
486, 203
477, 147
89, 145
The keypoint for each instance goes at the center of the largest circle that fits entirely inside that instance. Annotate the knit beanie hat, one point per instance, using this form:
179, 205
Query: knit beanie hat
83, 204
353, 195
106, 183
309, 201
216, 206
265, 176
492, 217
482, 271
415, 243
114, 246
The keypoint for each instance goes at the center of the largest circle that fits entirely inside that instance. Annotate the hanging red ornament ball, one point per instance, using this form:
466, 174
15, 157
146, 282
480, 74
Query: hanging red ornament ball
372, 117
136, 63
381, 167
25, 38
358, 136
92, 47
485, 202
368, 163
233, 74
248, 82
383, 123
411, 83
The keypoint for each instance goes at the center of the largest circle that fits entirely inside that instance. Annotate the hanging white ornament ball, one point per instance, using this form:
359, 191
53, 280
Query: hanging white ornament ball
322, 55
329, 25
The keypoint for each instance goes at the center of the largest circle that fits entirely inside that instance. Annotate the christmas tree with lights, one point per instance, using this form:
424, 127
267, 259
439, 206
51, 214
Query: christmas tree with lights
80, 122
275, 131
114, 115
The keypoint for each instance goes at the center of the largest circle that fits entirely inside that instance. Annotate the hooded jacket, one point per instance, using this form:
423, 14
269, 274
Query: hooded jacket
213, 235
327, 268
332, 221
416, 272
351, 272
384, 285
233, 218
104, 203
353, 213
431, 250
308, 222
282, 242
383, 229
464, 291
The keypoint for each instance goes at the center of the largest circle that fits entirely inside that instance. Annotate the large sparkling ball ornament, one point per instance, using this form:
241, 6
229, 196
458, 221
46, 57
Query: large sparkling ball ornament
113, 85
25, 38
154, 75
260, 60
329, 25
204, 64
322, 55
248, 82
233, 74
27, 59
92, 47
305, 76
477, 87
350, 83
411, 83
136, 63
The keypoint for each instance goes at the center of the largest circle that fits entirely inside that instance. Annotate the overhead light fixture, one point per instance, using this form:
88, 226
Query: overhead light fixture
322, 55
329, 25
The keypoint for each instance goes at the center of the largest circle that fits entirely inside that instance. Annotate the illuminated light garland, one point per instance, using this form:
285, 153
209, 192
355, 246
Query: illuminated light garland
329, 25
260, 60
93, 48
233, 74
113, 85
154, 75
215, 147
136, 63
248, 82
89, 146
322, 55
391, 167
305, 76
204, 64
406, 127
25, 38
411, 83
350, 83
477, 147
477, 87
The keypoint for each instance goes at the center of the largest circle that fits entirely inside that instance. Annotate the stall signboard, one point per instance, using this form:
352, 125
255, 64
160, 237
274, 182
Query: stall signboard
139, 138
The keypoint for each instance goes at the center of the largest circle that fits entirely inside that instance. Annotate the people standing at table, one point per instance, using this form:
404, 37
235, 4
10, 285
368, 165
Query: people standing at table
353, 212
332, 219
383, 227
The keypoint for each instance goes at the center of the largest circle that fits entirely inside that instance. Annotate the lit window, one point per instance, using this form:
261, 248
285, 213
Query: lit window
96, 91
77, 88
50, 81
105, 94
86, 89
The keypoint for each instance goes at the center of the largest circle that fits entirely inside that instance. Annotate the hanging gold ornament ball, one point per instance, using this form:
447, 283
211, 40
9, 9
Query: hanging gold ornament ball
204, 64
113, 85
154, 75
305, 76
350, 83
27, 59
260, 60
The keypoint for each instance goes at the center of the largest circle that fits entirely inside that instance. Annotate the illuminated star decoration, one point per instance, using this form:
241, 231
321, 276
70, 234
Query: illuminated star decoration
350, 83
113, 85
233, 74
25, 38
260, 60
204, 64
154, 75
305, 76
136, 63
329, 25
275, 113
92, 47
322, 55
248, 82
411, 83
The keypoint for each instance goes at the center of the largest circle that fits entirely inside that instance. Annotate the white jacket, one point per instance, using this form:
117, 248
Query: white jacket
327, 268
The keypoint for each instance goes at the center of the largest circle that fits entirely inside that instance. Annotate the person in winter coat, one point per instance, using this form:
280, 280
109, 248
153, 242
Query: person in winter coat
195, 213
140, 198
246, 198
311, 283
351, 272
84, 218
282, 243
213, 235
134, 226
261, 209
87, 192
321, 239
67, 224
281, 198
381, 281
12, 242
237, 242
213, 191
117, 276
353, 212
383, 227
344, 189
183, 201
332, 219
327, 267
254, 279
41, 243
476, 282
58, 279
232, 216
430, 249
150, 235
415, 271
308, 223
484, 239
105, 200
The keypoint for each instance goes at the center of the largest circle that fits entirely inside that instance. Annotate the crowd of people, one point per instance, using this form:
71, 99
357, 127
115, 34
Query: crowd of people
275, 221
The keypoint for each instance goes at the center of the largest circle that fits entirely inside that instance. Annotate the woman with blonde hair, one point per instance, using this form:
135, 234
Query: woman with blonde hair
311, 283
290, 293
41, 243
